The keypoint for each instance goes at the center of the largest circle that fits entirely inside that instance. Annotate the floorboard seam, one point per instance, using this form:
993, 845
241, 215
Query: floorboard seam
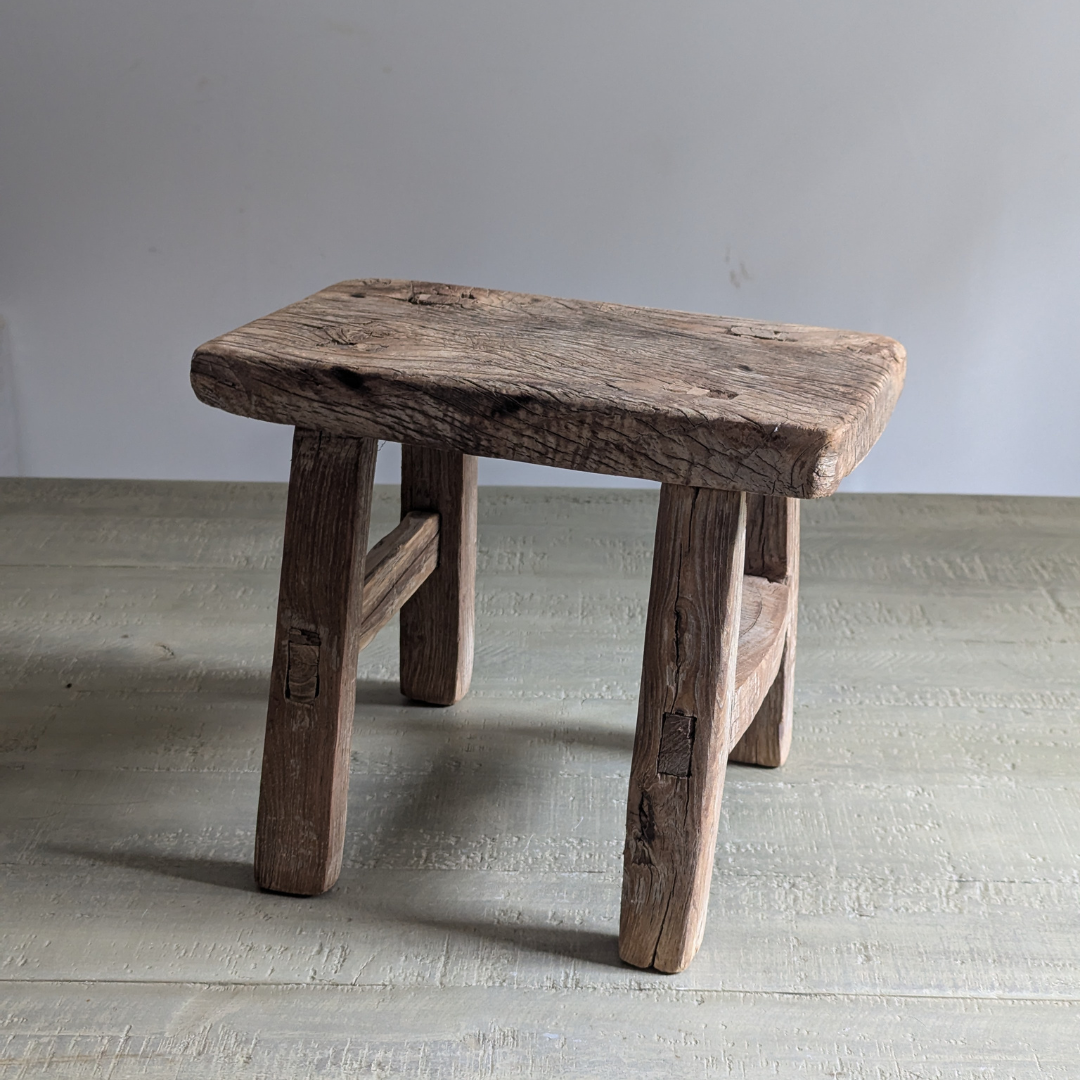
1033, 999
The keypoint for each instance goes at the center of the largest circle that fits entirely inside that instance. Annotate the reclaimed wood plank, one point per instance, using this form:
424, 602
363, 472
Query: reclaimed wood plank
772, 550
437, 624
696, 400
764, 618
684, 713
305, 776
396, 567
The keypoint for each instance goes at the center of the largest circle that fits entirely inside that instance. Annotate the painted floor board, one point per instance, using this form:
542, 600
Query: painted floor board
900, 900
201, 1032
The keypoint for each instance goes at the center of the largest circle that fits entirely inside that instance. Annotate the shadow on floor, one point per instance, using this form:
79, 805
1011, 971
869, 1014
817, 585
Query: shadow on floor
466, 765
439, 720
224, 873
570, 943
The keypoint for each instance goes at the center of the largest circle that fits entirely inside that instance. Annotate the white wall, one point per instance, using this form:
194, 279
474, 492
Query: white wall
172, 168
9, 431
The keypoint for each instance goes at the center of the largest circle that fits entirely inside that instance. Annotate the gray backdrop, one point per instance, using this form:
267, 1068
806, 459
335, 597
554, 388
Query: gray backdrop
169, 170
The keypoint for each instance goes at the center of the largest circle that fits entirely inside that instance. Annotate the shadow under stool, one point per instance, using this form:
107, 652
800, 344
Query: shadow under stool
737, 419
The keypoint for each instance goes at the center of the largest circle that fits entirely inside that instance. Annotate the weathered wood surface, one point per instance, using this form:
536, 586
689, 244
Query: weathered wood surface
767, 607
435, 647
665, 395
395, 568
772, 550
436, 639
899, 900
305, 772
683, 724
430, 1032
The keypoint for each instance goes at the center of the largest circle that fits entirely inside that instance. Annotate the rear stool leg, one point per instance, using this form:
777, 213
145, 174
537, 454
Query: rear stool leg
305, 775
772, 551
680, 749
437, 622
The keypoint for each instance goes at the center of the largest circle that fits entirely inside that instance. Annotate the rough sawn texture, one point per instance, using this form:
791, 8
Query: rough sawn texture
664, 395
899, 901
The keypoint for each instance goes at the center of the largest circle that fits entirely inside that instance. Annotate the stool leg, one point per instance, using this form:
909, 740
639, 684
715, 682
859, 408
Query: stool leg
680, 749
772, 551
437, 622
305, 774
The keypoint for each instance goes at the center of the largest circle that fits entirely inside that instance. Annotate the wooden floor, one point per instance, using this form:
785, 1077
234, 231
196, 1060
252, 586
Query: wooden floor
901, 900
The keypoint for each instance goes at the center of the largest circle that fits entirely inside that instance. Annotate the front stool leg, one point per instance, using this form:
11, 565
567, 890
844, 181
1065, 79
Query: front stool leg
437, 622
305, 775
772, 552
681, 745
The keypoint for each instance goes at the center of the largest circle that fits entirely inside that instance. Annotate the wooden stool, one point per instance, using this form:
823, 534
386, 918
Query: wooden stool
738, 419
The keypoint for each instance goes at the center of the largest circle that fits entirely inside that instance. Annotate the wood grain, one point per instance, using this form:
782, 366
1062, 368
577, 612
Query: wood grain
396, 567
689, 671
61, 1031
437, 622
763, 627
688, 399
305, 773
772, 550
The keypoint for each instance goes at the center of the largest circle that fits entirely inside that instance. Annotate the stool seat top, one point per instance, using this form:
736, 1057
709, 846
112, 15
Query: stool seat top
662, 395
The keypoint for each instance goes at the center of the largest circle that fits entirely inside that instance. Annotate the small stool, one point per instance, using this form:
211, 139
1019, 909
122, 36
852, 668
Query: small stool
737, 419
